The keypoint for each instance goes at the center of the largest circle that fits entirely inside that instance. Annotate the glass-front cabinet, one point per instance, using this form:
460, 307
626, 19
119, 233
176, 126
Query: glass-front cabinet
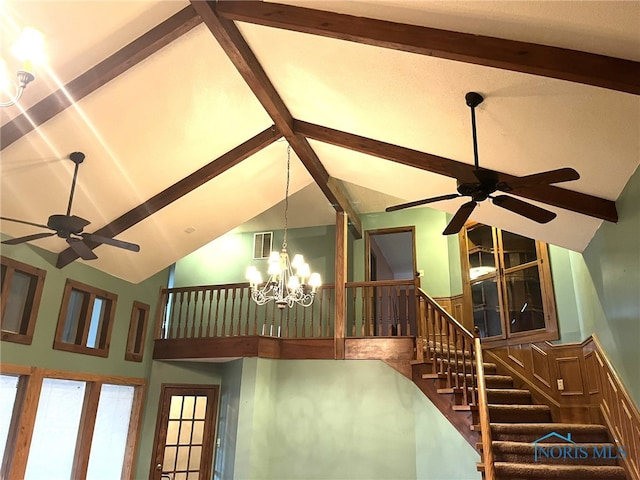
507, 286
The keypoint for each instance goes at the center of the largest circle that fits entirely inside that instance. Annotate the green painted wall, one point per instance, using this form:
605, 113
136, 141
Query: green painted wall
41, 352
610, 300
432, 248
225, 260
324, 419
565, 296
175, 373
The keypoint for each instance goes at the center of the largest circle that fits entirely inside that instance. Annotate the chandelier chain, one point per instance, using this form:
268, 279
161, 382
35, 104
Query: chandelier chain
286, 198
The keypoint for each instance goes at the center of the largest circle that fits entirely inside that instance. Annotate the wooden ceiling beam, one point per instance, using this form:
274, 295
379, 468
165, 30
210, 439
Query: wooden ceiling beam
548, 194
553, 62
178, 190
94, 78
241, 55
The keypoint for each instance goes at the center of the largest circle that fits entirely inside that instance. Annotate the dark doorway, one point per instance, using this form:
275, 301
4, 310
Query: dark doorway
390, 258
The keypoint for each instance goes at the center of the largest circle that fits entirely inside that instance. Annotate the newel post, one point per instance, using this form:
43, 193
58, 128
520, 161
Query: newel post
340, 281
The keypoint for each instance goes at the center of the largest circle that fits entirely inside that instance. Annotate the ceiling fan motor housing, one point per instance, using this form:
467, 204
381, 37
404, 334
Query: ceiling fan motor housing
65, 225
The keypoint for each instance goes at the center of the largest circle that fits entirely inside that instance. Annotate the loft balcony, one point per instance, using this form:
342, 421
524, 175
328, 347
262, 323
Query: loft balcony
222, 322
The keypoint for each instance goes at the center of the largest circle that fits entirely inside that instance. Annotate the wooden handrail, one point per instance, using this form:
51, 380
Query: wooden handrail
483, 410
445, 314
379, 283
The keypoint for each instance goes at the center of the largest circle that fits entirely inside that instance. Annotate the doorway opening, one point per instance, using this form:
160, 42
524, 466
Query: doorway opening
390, 261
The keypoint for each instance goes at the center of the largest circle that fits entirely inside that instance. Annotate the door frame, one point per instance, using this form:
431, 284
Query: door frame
210, 428
384, 231
370, 293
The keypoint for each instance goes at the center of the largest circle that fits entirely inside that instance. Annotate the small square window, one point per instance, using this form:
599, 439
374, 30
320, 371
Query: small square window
262, 245
85, 321
137, 332
21, 291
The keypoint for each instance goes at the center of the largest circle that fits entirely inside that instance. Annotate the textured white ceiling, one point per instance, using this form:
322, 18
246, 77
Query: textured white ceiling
187, 105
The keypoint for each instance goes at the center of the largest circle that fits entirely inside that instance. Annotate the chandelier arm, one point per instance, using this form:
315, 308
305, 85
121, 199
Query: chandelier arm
24, 78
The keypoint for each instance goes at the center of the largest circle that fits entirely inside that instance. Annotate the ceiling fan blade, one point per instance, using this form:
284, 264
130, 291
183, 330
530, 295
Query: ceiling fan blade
25, 222
525, 209
422, 202
81, 248
459, 219
28, 238
543, 178
112, 241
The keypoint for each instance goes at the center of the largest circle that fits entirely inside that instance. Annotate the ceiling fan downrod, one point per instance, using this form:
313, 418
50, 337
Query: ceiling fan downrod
474, 99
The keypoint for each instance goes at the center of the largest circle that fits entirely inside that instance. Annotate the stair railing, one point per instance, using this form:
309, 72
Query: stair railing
448, 346
455, 354
483, 411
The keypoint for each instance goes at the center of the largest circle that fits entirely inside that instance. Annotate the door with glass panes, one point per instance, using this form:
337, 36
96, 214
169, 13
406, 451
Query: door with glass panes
185, 431
507, 282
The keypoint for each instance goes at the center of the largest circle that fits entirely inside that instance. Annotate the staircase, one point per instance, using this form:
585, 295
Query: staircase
516, 423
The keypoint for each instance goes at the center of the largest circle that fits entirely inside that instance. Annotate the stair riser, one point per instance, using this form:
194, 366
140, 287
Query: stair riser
509, 398
532, 437
563, 460
580, 473
519, 416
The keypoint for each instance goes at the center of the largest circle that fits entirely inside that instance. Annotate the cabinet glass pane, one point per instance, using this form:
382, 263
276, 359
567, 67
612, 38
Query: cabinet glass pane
56, 429
517, 250
486, 307
110, 433
524, 300
480, 248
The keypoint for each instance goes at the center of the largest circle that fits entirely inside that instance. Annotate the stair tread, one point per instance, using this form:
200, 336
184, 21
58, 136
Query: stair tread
508, 390
502, 406
558, 470
527, 446
546, 426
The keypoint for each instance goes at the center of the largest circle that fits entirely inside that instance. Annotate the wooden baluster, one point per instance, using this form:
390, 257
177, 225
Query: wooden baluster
172, 324
456, 360
223, 333
320, 298
181, 321
304, 322
246, 321
232, 319
255, 315
465, 382
216, 330
449, 367
311, 320
203, 294
210, 307
295, 324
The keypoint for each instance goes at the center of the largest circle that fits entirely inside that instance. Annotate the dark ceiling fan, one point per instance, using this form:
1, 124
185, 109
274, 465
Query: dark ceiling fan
70, 226
487, 182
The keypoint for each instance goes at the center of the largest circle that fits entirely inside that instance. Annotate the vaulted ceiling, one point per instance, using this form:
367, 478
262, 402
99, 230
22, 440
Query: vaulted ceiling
184, 112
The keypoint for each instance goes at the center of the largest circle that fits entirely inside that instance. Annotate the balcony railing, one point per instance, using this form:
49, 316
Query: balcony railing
381, 308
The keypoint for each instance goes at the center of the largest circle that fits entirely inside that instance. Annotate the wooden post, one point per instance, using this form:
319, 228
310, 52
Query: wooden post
340, 281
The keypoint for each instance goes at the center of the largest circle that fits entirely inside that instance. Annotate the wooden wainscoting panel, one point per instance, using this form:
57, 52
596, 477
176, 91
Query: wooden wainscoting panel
515, 354
541, 365
593, 377
614, 406
389, 348
570, 372
634, 455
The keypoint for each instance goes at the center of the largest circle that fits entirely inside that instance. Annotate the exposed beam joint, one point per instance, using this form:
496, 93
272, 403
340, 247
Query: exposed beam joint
245, 61
549, 194
178, 190
94, 78
553, 62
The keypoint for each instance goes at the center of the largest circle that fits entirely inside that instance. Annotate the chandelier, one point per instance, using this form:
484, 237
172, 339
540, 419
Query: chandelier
284, 287
29, 49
